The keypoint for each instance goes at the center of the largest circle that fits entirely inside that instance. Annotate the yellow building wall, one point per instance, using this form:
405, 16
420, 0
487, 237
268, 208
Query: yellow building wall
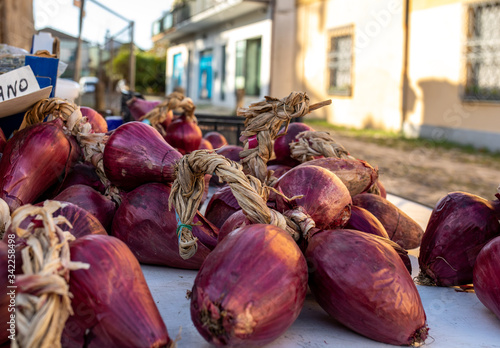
378, 60
436, 71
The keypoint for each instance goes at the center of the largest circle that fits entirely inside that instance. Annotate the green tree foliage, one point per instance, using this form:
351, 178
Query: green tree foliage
150, 70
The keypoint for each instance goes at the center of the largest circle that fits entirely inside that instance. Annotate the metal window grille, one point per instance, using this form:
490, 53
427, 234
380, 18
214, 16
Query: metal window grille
482, 51
339, 62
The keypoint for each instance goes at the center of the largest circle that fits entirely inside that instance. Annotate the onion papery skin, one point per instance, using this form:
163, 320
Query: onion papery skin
4, 297
325, 198
35, 159
400, 227
98, 122
250, 289
221, 206
282, 143
3, 140
361, 282
460, 225
112, 302
144, 222
83, 174
486, 276
136, 154
278, 169
184, 135
381, 188
216, 139
364, 221
140, 107
357, 175
102, 207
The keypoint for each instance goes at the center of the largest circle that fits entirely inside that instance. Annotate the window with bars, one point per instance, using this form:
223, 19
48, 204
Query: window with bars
482, 51
340, 61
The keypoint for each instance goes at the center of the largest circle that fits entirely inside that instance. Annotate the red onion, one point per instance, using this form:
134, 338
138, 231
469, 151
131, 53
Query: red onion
362, 283
3, 140
136, 154
364, 221
112, 302
231, 152
140, 107
216, 139
6, 324
250, 289
221, 206
282, 143
400, 227
459, 227
84, 174
98, 122
34, 159
486, 276
236, 220
205, 145
102, 207
357, 175
184, 135
381, 188
144, 222
325, 198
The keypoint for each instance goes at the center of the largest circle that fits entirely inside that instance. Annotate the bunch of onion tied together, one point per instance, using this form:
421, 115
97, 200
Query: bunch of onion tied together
82, 208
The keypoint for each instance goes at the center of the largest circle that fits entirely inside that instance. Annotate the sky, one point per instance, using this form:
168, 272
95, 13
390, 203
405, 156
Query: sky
63, 15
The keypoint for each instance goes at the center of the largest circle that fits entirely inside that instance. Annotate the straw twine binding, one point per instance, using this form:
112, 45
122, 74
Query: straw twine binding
313, 143
251, 194
43, 300
265, 120
160, 112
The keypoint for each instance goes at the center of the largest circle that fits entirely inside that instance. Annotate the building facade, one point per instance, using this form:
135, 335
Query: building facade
426, 68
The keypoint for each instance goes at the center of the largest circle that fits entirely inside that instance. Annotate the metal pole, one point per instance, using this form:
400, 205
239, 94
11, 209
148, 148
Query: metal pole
131, 72
78, 58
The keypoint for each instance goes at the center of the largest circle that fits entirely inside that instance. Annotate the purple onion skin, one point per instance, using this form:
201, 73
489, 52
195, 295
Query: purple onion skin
364, 221
4, 298
236, 220
102, 207
459, 227
251, 287
205, 145
111, 299
98, 122
3, 140
35, 159
325, 198
140, 107
136, 154
357, 175
144, 222
486, 276
84, 174
221, 206
400, 227
184, 135
231, 152
362, 283
216, 139
282, 143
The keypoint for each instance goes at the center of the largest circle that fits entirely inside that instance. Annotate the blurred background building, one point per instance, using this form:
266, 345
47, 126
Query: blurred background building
428, 68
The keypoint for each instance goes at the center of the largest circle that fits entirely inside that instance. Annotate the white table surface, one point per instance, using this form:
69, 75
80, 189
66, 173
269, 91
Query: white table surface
455, 319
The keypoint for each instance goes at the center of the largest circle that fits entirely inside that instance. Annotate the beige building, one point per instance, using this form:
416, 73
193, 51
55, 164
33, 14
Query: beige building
428, 68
